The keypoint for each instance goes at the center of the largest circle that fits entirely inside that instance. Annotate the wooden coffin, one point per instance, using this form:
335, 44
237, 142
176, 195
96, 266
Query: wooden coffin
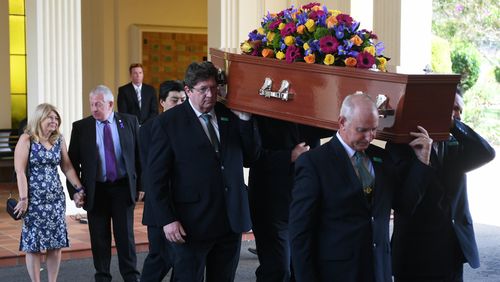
316, 92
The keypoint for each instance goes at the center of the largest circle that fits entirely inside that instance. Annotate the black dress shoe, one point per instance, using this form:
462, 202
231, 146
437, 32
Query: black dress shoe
253, 250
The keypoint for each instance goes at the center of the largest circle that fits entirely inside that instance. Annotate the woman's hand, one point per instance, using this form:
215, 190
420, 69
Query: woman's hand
21, 207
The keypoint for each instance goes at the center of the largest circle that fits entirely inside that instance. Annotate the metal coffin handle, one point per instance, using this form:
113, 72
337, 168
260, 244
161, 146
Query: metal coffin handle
282, 93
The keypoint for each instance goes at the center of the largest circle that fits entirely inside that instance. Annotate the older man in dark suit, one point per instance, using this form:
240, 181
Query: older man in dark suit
137, 98
196, 163
104, 152
342, 200
433, 243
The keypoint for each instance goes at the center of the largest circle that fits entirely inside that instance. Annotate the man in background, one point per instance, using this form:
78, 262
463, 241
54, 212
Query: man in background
159, 261
435, 241
105, 155
137, 98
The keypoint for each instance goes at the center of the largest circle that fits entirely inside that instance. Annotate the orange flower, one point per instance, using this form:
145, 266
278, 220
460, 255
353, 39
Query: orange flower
356, 40
267, 53
310, 59
331, 21
300, 29
350, 62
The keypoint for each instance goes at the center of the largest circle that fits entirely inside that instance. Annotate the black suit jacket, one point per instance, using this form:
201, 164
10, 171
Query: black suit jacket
128, 103
83, 153
335, 234
145, 132
270, 178
440, 233
190, 184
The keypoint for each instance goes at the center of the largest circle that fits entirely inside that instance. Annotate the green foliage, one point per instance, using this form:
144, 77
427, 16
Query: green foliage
497, 73
441, 55
465, 60
475, 21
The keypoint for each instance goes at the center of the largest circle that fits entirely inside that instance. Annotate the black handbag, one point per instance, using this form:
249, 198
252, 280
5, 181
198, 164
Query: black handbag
10, 205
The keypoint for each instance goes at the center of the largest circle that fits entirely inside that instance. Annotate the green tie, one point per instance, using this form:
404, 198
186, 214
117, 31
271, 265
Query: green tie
364, 175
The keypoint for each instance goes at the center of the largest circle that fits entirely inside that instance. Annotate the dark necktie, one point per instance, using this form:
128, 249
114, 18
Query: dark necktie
211, 132
364, 175
109, 153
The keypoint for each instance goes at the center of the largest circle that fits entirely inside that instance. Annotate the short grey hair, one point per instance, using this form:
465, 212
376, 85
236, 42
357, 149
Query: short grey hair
347, 108
105, 91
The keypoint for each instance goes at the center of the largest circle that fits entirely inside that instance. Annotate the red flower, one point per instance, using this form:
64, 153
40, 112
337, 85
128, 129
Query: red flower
292, 53
343, 18
328, 44
310, 5
314, 15
274, 25
365, 60
289, 29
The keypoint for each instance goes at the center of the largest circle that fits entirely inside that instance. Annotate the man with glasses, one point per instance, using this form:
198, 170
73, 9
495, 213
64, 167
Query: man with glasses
196, 162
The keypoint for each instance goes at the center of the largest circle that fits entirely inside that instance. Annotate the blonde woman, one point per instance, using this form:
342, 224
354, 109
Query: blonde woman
39, 151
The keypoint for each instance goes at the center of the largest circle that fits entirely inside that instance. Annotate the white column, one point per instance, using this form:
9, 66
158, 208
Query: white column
405, 28
54, 62
54, 57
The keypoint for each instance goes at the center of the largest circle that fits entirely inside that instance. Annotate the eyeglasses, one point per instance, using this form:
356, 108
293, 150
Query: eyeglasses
204, 90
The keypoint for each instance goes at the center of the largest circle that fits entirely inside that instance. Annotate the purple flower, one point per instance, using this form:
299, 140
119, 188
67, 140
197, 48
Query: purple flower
120, 122
314, 45
459, 8
328, 44
267, 19
365, 60
339, 31
302, 18
289, 29
292, 53
254, 36
379, 48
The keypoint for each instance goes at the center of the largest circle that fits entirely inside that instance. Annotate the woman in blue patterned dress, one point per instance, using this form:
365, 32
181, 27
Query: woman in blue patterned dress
39, 152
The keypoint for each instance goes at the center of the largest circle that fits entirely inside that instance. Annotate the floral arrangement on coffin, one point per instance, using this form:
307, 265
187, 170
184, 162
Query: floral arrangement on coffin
314, 34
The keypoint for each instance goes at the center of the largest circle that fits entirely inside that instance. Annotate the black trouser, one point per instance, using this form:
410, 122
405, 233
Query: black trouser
112, 203
159, 261
219, 256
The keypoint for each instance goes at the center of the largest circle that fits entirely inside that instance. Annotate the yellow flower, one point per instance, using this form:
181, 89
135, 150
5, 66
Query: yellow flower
270, 36
356, 40
310, 59
335, 12
306, 46
260, 30
281, 26
329, 59
246, 47
370, 49
289, 40
331, 21
311, 25
350, 62
280, 55
300, 29
381, 63
267, 53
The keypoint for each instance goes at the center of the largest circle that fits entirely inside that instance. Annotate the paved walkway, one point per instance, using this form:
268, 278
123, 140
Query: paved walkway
484, 195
